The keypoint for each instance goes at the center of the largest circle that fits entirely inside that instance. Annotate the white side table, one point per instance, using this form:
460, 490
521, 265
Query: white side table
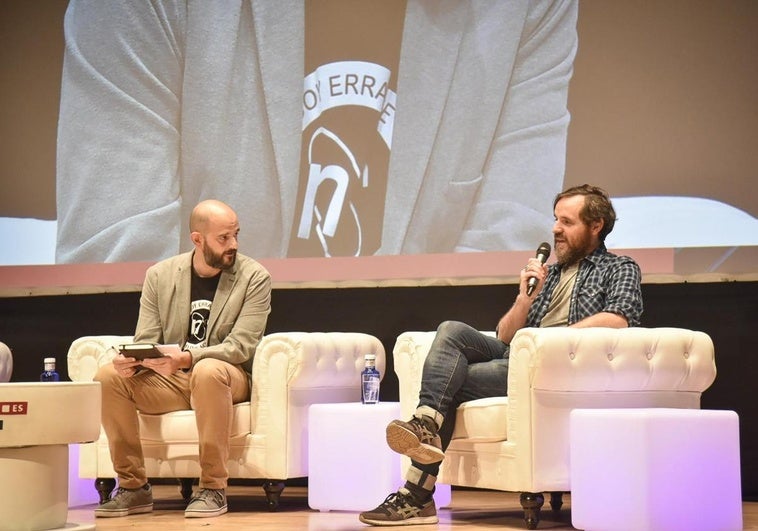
651, 469
37, 423
350, 466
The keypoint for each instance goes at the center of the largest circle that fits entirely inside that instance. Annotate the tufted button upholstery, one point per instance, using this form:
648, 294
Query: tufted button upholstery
636, 359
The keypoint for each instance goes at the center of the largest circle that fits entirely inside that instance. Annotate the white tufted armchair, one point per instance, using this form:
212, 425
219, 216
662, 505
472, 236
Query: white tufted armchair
291, 371
520, 443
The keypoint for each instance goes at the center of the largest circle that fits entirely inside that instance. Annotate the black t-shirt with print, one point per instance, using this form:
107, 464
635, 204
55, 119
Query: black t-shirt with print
201, 297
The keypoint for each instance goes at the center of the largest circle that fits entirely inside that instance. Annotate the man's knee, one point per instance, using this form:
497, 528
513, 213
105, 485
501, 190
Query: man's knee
106, 375
209, 369
452, 329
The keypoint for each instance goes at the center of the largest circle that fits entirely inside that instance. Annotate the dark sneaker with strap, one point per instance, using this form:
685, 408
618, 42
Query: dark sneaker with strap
127, 501
206, 503
401, 508
417, 439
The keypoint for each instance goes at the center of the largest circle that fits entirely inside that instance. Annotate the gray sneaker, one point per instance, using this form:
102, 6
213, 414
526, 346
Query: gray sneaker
127, 501
416, 439
207, 502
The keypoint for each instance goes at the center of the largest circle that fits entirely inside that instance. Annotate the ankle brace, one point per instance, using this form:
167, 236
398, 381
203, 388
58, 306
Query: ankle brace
420, 483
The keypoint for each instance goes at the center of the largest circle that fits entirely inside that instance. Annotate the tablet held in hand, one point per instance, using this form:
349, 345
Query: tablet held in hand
141, 351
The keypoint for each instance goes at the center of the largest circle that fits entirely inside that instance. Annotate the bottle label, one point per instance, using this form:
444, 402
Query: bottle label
50, 376
370, 387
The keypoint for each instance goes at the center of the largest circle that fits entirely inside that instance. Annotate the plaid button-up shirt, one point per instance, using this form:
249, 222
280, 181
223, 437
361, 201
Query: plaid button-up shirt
605, 283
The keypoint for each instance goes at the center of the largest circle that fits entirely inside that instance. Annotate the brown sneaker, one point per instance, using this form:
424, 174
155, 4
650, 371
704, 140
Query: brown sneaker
416, 440
400, 508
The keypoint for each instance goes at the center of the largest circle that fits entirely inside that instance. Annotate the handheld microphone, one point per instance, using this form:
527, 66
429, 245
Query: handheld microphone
543, 253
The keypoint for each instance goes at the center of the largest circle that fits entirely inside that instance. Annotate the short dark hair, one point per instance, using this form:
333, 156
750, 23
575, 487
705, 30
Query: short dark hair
597, 206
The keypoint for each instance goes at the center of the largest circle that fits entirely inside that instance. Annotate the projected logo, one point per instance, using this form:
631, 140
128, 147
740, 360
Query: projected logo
336, 179
348, 116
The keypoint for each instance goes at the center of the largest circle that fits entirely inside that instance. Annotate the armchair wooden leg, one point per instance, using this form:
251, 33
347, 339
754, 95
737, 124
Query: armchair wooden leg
556, 501
273, 489
185, 487
104, 487
532, 503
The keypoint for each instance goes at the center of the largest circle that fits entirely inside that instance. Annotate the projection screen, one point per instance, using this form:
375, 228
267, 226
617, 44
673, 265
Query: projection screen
373, 143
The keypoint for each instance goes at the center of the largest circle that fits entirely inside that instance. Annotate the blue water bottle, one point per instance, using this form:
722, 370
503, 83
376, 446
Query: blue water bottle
370, 380
49, 374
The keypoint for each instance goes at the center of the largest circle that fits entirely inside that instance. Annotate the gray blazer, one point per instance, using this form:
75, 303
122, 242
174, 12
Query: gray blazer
163, 107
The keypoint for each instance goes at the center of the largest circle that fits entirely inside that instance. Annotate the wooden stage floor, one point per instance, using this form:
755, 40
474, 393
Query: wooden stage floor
470, 510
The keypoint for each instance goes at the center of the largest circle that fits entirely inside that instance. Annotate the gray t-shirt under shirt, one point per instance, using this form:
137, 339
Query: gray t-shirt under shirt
558, 309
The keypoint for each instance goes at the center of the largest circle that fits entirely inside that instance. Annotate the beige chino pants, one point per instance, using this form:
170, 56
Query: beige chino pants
210, 388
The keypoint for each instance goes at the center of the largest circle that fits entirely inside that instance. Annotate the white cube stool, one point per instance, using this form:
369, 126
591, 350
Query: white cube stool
350, 467
655, 469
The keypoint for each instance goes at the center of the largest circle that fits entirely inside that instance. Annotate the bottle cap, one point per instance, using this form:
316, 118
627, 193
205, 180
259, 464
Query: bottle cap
369, 357
49, 360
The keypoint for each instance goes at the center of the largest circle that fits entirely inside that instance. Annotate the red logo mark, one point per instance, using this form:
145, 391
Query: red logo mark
14, 408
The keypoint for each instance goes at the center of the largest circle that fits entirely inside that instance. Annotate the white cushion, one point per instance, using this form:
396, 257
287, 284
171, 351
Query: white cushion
181, 426
482, 420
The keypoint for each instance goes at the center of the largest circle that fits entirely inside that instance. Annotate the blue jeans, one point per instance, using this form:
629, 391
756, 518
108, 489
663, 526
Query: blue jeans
463, 364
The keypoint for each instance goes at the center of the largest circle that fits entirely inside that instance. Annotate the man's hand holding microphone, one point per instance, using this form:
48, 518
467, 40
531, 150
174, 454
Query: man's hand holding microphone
533, 275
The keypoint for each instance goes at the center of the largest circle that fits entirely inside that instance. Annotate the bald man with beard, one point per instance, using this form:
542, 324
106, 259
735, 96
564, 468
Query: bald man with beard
214, 303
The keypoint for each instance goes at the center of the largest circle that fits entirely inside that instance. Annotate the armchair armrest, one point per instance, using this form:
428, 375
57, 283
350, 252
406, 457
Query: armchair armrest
88, 353
408, 355
6, 362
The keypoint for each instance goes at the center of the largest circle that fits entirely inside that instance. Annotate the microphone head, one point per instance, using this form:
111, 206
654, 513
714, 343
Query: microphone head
544, 249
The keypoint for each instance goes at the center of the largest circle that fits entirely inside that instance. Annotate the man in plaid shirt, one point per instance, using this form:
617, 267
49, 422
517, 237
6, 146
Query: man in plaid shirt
588, 286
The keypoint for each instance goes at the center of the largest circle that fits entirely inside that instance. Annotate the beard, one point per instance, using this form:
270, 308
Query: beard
571, 252
221, 261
